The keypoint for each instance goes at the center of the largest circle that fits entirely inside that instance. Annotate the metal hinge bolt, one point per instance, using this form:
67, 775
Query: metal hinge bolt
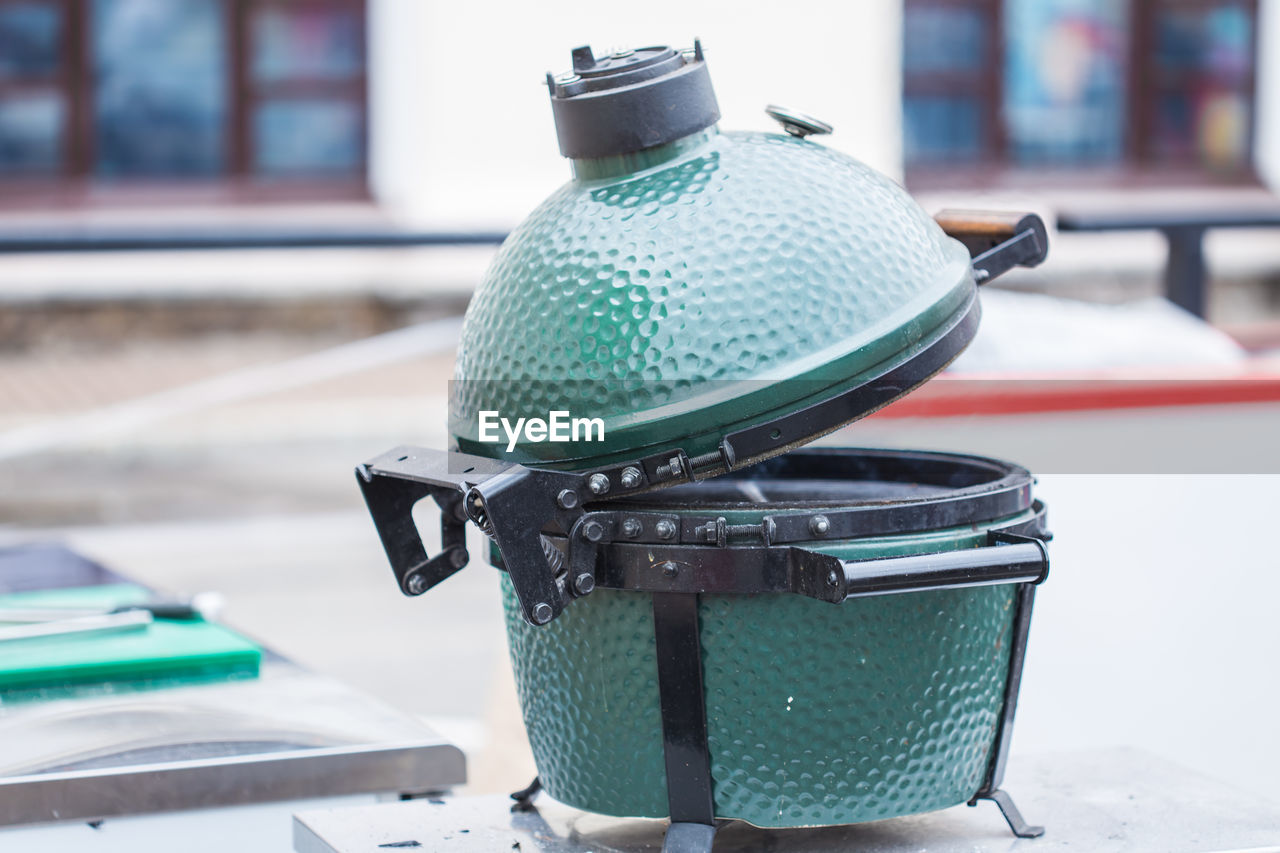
598, 484
719, 531
673, 468
665, 529
630, 478
593, 531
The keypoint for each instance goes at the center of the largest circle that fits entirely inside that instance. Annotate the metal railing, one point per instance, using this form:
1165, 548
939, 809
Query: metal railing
1185, 272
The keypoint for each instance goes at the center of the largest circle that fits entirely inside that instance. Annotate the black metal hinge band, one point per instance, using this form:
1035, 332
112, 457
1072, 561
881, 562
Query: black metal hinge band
555, 550
1006, 558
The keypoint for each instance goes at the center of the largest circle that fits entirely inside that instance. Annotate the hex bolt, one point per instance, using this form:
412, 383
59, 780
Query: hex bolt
832, 578
593, 531
584, 583
417, 584
632, 528
670, 569
630, 477
542, 613
567, 499
673, 468
598, 484
665, 529
819, 525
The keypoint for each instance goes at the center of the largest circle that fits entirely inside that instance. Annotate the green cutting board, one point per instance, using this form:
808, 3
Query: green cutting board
166, 652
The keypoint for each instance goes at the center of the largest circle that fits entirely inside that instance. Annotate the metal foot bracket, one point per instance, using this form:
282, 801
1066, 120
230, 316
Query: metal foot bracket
1017, 825
689, 838
524, 797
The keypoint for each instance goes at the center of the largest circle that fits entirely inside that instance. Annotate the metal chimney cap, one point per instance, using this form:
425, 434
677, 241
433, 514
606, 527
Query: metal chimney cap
630, 100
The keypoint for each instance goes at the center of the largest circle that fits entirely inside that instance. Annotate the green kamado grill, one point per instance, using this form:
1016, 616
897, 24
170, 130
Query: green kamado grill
758, 631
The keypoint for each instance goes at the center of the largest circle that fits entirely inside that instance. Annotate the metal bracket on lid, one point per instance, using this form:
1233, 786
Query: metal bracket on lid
391, 500
479, 489
514, 505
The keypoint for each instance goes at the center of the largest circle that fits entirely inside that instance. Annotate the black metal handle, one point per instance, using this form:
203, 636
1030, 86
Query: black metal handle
747, 569
997, 241
1011, 559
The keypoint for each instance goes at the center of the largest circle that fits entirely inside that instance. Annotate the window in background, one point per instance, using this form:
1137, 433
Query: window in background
160, 100
949, 103
1201, 80
260, 94
1157, 87
1066, 64
305, 87
33, 96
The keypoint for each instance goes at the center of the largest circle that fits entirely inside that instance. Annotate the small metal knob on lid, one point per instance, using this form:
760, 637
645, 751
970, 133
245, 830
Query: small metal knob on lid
797, 124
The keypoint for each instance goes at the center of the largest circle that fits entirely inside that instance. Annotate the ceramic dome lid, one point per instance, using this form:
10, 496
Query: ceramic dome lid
710, 301
691, 303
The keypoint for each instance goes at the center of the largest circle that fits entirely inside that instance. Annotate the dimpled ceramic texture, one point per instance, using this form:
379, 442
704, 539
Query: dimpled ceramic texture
746, 256
817, 713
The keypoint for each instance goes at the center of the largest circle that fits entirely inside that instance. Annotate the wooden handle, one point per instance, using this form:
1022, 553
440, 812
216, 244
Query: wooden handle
982, 230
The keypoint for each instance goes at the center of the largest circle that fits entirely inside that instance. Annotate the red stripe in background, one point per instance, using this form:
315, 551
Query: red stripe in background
952, 396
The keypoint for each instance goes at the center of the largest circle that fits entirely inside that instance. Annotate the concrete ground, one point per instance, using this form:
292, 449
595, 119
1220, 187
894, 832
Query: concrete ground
1156, 628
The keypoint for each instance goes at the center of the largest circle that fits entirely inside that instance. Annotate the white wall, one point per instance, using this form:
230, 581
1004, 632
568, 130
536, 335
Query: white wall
461, 124
1267, 139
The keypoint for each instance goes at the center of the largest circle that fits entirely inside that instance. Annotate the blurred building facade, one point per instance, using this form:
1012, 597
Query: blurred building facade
434, 109
103, 101
433, 114
1144, 91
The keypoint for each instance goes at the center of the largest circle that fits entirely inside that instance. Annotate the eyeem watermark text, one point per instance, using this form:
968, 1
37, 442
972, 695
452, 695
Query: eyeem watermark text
558, 426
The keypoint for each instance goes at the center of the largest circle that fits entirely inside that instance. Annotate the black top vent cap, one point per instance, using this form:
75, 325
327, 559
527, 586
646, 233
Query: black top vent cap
631, 100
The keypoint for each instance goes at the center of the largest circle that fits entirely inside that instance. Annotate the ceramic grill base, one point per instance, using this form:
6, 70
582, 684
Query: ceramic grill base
816, 714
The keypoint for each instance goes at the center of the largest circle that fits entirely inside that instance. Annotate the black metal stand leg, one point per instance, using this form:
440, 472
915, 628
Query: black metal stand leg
684, 724
524, 797
995, 773
1185, 272
1012, 816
